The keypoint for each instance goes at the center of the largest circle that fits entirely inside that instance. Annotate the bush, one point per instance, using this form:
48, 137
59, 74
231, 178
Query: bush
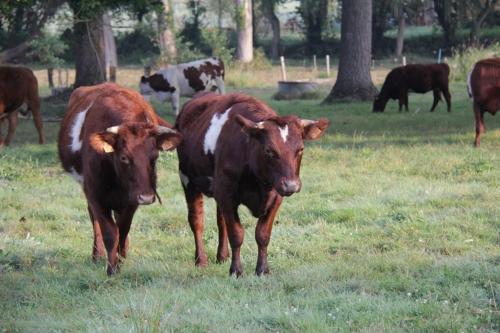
464, 59
135, 46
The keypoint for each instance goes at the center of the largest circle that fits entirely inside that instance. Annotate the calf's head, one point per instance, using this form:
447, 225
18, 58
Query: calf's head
277, 146
133, 149
379, 103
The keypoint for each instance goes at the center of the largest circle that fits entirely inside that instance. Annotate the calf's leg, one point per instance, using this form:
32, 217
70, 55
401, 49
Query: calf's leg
222, 249
447, 97
437, 97
263, 235
34, 107
124, 220
195, 216
13, 121
479, 117
98, 248
110, 235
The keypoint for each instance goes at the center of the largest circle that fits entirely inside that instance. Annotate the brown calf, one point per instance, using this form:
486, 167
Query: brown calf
484, 87
238, 150
415, 78
18, 85
109, 142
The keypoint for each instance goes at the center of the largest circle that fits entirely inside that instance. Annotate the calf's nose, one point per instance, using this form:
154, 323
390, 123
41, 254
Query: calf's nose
290, 186
145, 199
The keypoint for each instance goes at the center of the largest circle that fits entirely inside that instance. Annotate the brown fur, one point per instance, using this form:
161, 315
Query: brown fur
18, 85
485, 91
251, 165
118, 169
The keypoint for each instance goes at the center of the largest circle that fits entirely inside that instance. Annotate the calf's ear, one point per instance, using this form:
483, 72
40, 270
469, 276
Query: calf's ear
167, 138
103, 142
314, 129
248, 126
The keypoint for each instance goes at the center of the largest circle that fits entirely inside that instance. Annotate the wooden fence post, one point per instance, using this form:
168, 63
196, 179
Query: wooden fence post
328, 65
112, 73
283, 69
50, 76
314, 63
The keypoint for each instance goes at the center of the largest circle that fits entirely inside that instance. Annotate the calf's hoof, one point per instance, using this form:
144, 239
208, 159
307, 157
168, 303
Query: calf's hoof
236, 271
259, 271
111, 270
222, 257
201, 261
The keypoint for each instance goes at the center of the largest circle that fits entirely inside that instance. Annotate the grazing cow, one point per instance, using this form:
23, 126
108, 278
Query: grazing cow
238, 150
18, 86
415, 78
483, 84
109, 142
184, 80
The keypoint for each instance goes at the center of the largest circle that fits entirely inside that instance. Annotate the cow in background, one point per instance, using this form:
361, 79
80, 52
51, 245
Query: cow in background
184, 80
415, 78
483, 84
238, 150
109, 142
18, 86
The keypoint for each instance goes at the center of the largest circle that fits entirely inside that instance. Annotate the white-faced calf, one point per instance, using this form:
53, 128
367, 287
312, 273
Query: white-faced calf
238, 150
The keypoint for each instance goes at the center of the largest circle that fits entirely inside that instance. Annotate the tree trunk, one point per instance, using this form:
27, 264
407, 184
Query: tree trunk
379, 24
110, 56
89, 52
446, 13
219, 15
401, 31
354, 79
244, 51
166, 34
268, 9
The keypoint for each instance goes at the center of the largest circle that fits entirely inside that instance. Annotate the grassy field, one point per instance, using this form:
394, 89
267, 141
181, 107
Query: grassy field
396, 229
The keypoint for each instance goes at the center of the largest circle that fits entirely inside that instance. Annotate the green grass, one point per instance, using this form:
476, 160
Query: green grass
396, 229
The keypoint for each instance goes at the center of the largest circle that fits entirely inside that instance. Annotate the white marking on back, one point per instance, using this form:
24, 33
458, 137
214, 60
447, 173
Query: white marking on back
469, 86
284, 132
76, 130
214, 130
76, 176
184, 179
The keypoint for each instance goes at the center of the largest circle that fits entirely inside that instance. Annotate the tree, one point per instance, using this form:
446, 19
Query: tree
381, 12
166, 33
447, 13
268, 8
479, 11
314, 15
244, 51
24, 20
400, 14
354, 79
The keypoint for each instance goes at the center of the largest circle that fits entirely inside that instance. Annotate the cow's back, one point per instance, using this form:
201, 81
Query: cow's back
93, 109
485, 79
17, 85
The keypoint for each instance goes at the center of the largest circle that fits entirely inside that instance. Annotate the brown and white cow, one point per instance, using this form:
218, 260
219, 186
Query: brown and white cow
109, 142
238, 150
18, 86
184, 80
483, 84
419, 78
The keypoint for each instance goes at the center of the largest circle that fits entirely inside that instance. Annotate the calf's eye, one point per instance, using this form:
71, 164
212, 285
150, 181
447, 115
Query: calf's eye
124, 159
270, 153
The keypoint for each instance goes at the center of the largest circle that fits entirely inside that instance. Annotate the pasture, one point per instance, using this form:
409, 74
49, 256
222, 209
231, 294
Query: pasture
396, 229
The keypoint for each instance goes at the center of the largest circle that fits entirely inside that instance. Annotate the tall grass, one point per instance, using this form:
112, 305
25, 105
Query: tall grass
463, 60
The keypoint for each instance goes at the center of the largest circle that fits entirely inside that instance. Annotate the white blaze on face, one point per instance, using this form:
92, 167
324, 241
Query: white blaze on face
184, 179
284, 132
214, 130
76, 130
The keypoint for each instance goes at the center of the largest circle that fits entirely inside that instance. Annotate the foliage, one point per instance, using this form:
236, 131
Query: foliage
314, 14
192, 31
48, 48
139, 45
218, 42
463, 60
